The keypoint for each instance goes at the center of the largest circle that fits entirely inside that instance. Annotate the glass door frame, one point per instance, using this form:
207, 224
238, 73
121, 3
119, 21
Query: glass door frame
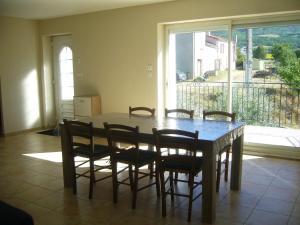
170, 31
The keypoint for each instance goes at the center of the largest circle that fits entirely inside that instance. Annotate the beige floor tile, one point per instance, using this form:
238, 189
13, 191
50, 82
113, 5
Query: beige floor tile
33, 194
235, 214
296, 211
289, 195
259, 217
241, 199
294, 221
285, 183
258, 179
13, 188
273, 205
254, 189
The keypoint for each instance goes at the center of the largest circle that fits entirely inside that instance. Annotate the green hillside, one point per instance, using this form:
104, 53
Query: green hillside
267, 36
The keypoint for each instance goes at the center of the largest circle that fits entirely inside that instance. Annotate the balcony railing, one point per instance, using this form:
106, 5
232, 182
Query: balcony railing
264, 104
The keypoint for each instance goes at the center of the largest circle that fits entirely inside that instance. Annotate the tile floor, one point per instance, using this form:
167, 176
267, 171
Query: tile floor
269, 194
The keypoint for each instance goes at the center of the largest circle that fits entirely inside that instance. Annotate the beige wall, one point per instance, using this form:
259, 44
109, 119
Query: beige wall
47, 77
113, 48
19, 69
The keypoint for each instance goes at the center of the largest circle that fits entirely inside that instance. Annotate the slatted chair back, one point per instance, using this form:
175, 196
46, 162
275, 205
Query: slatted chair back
141, 111
180, 139
119, 135
219, 115
180, 113
80, 135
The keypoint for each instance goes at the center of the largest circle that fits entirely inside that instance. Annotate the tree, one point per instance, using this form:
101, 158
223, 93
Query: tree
239, 58
288, 67
259, 52
283, 54
290, 73
297, 52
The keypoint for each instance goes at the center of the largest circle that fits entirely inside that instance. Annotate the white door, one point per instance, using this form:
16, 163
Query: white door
63, 76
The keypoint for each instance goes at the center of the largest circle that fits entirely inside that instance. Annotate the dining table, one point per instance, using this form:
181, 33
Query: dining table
213, 136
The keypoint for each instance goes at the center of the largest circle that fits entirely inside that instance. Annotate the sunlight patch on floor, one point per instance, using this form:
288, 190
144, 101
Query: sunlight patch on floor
49, 156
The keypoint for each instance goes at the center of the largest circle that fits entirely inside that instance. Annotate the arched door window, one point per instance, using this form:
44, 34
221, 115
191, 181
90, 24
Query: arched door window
66, 73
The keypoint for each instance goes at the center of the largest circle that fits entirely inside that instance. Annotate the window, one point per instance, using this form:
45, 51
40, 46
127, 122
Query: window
222, 48
66, 73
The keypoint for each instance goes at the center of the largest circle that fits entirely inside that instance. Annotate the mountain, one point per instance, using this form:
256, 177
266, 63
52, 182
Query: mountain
266, 36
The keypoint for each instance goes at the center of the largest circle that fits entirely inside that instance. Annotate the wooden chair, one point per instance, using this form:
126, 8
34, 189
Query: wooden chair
179, 113
189, 164
221, 115
81, 140
133, 156
142, 111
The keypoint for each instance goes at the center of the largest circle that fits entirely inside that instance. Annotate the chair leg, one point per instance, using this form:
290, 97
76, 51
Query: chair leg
191, 187
92, 178
130, 177
218, 172
157, 182
171, 185
176, 173
151, 166
163, 193
115, 181
135, 186
74, 180
227, 165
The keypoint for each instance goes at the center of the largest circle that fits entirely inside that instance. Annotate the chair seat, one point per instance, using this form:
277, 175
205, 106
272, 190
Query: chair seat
129, 156
181, 163
100, 151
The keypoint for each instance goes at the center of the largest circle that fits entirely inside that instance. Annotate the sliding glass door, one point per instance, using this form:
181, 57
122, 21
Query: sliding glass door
198, 65
266, 80
252, 70
250, 66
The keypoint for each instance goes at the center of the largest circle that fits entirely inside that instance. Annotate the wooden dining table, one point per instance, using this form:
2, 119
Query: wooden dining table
213, 136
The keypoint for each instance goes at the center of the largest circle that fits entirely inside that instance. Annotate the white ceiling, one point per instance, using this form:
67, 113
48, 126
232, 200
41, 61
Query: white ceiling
43, 9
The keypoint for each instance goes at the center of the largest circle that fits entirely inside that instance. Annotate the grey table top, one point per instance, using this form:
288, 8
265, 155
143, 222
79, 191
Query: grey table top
209, 130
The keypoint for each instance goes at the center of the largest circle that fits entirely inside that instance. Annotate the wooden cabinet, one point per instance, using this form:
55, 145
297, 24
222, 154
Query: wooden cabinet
87, 106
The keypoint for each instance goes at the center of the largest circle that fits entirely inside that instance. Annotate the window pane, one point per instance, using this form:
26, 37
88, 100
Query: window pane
66, 53
201, 70
66, 66
66, 74
67, 93
267, 75
67, 80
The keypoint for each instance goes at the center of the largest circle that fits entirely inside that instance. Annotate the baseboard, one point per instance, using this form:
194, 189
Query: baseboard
24, 131
272, 151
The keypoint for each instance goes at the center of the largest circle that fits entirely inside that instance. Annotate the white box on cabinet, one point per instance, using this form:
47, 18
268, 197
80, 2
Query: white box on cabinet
87, 106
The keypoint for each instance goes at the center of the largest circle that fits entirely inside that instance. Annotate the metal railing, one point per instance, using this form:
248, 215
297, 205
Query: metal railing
265, 104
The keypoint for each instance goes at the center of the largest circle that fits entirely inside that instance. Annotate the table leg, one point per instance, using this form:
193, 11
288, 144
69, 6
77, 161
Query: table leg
209, 184
236, 164
66, 157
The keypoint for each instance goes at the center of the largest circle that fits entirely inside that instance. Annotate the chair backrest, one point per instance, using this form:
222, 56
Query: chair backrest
80, 134
176, 139
180, 112
218, 114
140, 111
118, 134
